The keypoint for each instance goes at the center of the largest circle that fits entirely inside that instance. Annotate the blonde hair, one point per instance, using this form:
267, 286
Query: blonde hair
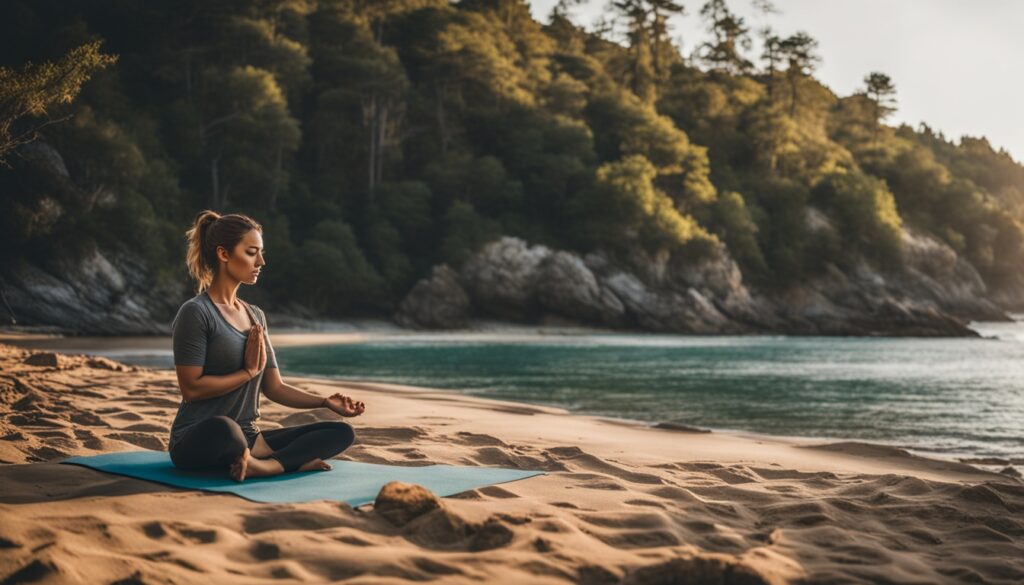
209, 231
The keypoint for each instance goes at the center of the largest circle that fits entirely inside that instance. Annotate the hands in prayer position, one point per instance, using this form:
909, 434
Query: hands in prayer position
255, 351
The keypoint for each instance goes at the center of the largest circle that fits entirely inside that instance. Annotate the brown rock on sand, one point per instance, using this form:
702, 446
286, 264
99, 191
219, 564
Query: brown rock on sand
399, 503
48, 360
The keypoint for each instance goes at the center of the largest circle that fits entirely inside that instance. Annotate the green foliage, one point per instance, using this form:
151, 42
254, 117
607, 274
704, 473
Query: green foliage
866, 213
633, 210
36, 88
333, 275
736, 227
465, 233
374, 139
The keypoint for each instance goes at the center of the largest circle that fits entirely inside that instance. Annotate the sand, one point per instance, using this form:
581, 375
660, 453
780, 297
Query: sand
621, 502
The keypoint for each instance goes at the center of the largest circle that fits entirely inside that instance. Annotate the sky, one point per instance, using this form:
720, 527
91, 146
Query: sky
956, 64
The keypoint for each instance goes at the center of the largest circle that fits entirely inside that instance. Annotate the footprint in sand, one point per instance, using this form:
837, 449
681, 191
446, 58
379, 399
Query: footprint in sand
140, 440
146, 428
88, 419
387, 436
265, 551
125, 415
305, 520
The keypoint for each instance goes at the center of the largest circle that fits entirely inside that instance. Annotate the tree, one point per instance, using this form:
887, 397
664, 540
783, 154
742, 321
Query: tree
626, 207
245, 132
882, 92
647, 34
359, 79
799, 52
770, 55
731, 37
641, 75
34, 89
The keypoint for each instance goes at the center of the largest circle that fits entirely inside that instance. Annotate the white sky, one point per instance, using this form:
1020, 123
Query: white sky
957, 64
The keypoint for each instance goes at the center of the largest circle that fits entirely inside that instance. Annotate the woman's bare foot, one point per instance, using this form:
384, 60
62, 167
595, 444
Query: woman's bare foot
264, 467
315, 465
239, 468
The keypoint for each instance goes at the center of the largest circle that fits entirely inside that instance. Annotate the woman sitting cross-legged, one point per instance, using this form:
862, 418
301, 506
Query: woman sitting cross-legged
223, 358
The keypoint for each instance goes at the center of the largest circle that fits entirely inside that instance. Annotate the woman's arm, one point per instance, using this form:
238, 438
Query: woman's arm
195, 386
276, 389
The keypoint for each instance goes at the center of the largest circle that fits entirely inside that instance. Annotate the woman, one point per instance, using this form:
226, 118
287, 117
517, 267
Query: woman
223, 358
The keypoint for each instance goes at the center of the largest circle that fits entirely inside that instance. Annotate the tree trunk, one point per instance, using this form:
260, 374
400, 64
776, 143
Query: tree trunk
370, 117
441, 119
792, 96
277, 178
382, 135
215, 180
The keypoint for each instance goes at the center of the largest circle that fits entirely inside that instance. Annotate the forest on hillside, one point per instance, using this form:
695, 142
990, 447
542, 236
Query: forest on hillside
375, 139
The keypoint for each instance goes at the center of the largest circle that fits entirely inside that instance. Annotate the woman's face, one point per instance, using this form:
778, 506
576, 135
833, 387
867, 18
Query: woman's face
246, 260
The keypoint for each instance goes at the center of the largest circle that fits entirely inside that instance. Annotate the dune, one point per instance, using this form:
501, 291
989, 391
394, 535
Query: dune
621, 502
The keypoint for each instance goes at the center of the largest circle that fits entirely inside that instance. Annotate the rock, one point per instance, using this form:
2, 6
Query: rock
103, 363
108, 292
566, 286
1009, 470
502, 277
45, 157
679, 292
399, 503
716, 275
49, 360
934, 272
435, 303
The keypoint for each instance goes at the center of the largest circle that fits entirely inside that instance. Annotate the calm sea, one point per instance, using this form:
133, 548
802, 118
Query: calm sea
958, 397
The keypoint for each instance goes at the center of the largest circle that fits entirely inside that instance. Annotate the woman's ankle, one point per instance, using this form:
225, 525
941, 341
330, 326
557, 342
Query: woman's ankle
264, 467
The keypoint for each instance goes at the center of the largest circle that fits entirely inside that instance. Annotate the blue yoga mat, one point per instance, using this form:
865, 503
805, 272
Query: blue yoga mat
348, 481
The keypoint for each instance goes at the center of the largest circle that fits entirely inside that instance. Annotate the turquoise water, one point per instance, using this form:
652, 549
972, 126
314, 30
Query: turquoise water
960, 397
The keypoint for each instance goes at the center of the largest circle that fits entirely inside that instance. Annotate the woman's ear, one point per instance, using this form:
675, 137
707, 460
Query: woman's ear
222, 254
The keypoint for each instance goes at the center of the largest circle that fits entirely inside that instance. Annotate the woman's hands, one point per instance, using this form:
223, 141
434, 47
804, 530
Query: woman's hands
344, 405
255, 351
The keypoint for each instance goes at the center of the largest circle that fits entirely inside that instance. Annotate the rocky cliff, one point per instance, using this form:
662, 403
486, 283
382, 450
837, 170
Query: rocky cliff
934, 295
107, 293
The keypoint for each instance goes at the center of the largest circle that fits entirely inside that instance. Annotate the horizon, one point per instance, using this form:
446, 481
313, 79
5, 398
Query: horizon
980, 106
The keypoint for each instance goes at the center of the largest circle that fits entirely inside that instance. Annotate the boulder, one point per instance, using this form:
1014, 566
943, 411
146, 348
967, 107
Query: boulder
566, 286
438, 302
399, 503
502, 277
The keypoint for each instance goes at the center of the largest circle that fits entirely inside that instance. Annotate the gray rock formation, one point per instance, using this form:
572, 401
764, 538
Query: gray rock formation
501, 278
106, 293
566, 286
508, 279
438, 302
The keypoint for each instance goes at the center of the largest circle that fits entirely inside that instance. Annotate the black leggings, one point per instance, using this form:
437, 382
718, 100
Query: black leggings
217, 442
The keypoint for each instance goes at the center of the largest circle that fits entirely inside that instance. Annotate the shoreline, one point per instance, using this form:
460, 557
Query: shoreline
160, 346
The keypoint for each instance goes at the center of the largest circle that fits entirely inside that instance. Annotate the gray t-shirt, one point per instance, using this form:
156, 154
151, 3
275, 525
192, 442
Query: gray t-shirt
201, 336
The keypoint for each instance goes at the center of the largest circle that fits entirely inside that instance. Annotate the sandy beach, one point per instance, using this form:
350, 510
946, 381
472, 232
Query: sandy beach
620, 502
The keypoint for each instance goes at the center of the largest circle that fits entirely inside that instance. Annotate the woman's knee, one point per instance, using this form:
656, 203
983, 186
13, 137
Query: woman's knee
224, 430
344, 434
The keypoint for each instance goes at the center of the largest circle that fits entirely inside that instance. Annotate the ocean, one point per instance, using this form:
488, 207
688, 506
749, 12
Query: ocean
956, 397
